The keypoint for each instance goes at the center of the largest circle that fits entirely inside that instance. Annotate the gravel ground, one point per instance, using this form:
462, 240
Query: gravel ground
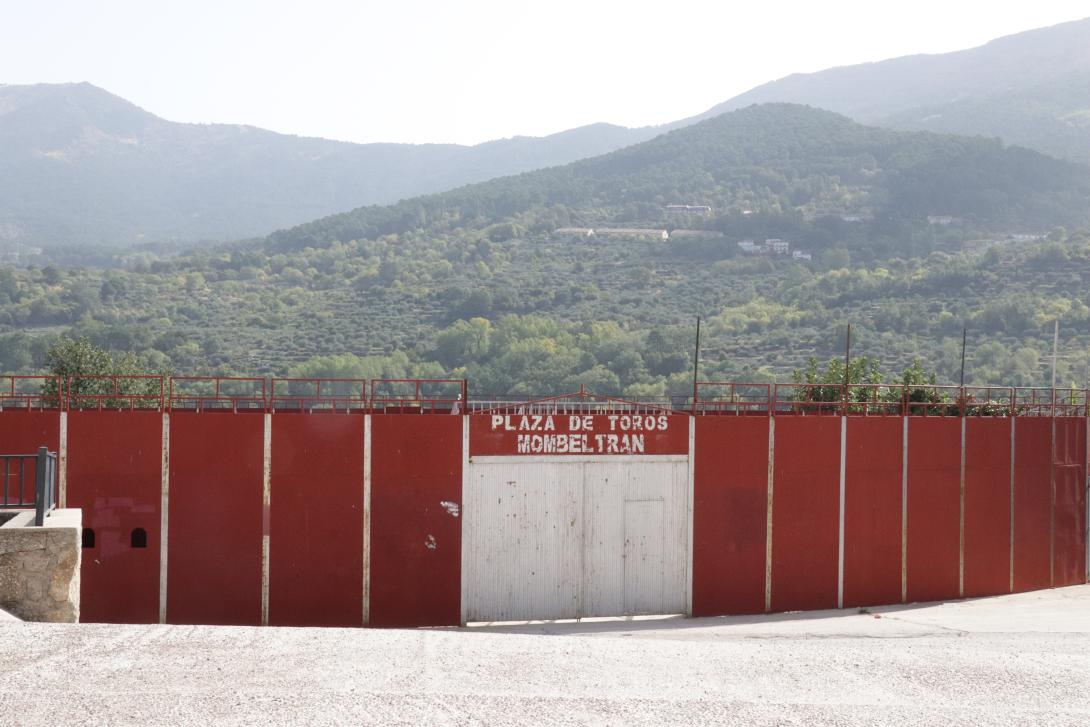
1012, 660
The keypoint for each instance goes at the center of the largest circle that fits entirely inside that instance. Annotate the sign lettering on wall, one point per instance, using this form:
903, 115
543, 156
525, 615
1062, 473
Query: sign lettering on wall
581, 434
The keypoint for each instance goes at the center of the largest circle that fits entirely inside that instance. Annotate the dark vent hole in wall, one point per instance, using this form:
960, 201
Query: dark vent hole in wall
139, 538
88, 538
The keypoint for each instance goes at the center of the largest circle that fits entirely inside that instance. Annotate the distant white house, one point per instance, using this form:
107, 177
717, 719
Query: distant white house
632, 233
841, 214
771, 246
695, 235
688, 209
573, 234
749, 247
776, 246
943, 220
801, 255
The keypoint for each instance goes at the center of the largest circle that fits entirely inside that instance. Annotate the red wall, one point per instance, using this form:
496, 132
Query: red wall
934, 508
1032, 502
315, 520
215, 518
872, 511
805, 512
1070, 548
987, 506
730, 513
316, 535
416, 543
115, 465
22, 432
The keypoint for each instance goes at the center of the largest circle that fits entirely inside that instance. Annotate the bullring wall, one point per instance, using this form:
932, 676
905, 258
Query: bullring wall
353, 519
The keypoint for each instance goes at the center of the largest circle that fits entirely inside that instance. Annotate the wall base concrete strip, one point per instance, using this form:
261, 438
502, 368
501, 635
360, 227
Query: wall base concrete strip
39, 567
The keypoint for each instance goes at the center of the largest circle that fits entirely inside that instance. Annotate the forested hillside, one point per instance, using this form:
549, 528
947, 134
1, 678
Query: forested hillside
83, 167
617, 317
480, 282
778, 162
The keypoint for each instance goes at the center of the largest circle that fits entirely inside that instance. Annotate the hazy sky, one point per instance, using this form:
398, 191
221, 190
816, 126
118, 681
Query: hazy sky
468, 71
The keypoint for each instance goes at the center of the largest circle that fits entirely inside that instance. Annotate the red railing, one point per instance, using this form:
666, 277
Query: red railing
987, 401
581, 401
217, 393
888, 400
31, 392
1044, 401
223, 393
721, 397
892, 400
807, 399
318, 394
419, 395
136, 391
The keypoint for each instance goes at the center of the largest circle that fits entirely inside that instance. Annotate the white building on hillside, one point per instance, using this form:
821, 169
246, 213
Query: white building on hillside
776, 246
688, 209
749, 247
632, 233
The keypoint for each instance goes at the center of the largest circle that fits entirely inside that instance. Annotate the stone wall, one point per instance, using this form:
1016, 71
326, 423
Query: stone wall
39, 567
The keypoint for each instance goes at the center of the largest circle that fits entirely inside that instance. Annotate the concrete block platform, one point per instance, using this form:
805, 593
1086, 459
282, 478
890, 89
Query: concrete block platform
40, 566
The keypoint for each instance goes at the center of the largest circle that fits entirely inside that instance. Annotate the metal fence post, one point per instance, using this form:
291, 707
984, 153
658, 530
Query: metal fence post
41, 482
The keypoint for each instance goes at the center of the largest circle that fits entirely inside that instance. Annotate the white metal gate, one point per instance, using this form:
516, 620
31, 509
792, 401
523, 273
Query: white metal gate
570, 537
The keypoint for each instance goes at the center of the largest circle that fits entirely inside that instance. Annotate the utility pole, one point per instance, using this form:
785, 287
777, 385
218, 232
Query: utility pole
961, 386
964, 334
1055, 354
696, 362
847, 366
1054, 360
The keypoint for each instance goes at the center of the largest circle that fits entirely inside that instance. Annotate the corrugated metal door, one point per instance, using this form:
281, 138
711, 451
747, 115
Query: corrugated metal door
564, 538
522, 541
643, 556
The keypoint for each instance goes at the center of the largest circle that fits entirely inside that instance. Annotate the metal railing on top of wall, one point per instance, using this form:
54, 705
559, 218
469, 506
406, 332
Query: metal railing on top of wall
451, 396
577, 402
32, 392
887, 399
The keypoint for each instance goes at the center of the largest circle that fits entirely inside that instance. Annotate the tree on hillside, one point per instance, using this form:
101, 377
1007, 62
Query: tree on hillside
463, 342
92, 376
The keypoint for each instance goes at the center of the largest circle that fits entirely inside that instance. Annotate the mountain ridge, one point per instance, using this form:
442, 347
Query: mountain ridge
1049, 66
742, 155
86, 168
143, 178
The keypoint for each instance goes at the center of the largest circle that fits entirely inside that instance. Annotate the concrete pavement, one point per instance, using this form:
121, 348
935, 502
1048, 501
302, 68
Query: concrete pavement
1022, 659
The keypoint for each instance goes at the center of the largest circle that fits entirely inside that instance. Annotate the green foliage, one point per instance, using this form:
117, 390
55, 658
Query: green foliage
94, 377
550, 301
834, 383
350, 366
864, 383
920, 384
